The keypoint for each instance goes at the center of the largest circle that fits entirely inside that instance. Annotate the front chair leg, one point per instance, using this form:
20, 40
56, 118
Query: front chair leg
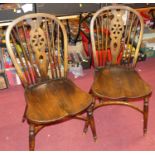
87, 121
90, 121
24, 115
31, 137
145, 114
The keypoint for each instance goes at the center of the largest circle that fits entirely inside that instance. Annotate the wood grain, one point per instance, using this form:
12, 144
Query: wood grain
37, 44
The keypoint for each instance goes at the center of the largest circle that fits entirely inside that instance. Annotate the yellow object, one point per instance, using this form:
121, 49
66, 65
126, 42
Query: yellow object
131, 47
3, 41
18, 48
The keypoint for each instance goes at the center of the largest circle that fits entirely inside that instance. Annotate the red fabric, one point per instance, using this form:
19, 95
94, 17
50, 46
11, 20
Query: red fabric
30, 76
103, 56
85, 42
119, 58
145, 16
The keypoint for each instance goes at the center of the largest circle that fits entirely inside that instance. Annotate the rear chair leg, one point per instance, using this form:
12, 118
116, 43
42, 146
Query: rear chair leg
24, 115
31, 137
145, 115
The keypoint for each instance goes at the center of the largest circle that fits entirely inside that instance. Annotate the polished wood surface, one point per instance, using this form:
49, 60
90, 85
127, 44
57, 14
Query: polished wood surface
116, 35
117, 82
37, 44
53, 100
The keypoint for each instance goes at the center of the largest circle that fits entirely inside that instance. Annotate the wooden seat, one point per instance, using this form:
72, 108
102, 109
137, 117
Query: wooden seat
118, 82
116, 35
37, 44
63, 98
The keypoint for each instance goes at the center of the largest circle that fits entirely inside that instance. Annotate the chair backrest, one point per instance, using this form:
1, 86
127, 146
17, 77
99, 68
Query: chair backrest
37, 44
116, 35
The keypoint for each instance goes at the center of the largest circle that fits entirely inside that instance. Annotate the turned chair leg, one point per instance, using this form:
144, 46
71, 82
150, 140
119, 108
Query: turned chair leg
31, 137
24, 115
145, 115
90, 121
87, 120
92, 124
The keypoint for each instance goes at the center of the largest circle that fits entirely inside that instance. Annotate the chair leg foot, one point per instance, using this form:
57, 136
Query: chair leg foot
23, 119
86, 127
31, 137
145, 115
144, 132
92, 126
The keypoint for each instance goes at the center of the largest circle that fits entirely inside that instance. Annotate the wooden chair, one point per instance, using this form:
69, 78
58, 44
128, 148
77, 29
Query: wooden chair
37, 44
116, 35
